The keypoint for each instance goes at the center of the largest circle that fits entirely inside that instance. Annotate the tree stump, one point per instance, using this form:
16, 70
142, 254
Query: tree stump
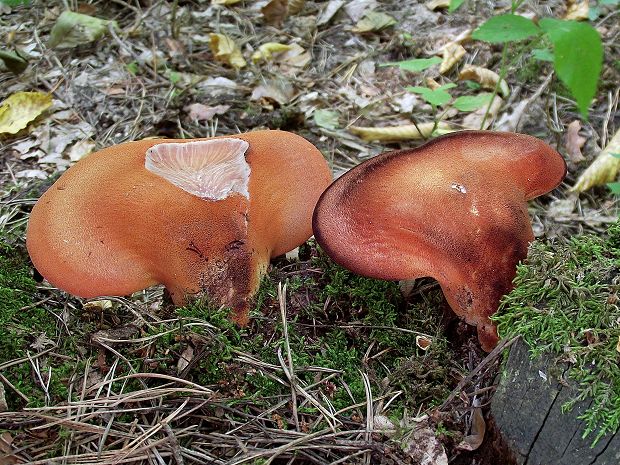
527, 408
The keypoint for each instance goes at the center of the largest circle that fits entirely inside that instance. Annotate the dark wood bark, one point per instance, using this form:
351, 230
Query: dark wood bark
527, 409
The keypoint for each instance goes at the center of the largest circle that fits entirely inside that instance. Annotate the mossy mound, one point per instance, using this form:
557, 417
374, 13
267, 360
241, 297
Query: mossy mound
566, 302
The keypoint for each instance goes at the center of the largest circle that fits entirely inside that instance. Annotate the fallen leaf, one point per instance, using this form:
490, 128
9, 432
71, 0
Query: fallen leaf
423, 342
226, 50
266, 51
357, 8
437, 4
475, 120
38, 174
603, 169
200, 112
423, 447
327, 119
295, 6
374, 21
295, 57
476, 436
452, 54
275, 12
224, 2
186, 357
485, 77
42, 342
573, 142
396, 133
279, 92
80, 149
329, 11
618, 345
98, 305
12, 62
577, 10
6, 451
73, 29
20, 109
383, 424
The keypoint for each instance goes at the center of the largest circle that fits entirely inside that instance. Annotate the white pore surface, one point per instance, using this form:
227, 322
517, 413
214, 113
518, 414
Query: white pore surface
210, 169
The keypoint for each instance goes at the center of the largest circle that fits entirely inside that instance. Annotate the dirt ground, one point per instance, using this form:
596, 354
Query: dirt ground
129, 386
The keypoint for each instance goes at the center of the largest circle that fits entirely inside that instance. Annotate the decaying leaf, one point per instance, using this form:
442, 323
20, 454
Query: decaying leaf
485, 77
20, 109
603, 169
422, 445
98, 305
481, 119
329, 11
356, 9
476, 435
618, 345
294, 57
423, 342
577, 10
42, 342
73, 29
374, 21
437, 4
278, 91
395, 133
573, 142
200, 112
452, 54
226, 50
186, 357
295, 6
266, 51
13, 62
327, 119
80, 149
224, 2
6, 450
275, 11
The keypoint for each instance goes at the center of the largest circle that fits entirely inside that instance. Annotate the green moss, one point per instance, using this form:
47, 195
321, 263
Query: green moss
566, 302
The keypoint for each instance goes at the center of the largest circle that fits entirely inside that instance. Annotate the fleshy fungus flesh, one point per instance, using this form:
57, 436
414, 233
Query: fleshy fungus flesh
454, 209
200, 216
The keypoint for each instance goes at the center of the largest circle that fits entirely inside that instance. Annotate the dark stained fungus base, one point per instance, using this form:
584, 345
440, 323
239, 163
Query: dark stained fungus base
454, 209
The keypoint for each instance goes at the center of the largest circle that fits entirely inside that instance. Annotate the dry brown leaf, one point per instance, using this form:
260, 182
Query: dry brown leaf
485, 77
395, 133
20, 109
474, 120
574, 142
437, 4
295, 6
186, 357
603, 169
6, 451
452, 54
423, 342
275, 12
226, 50
577, 10
280, 92
374, 21
329, 11
476, 435
295, 57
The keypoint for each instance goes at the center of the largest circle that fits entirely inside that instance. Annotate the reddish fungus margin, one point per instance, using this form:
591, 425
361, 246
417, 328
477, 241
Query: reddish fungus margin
454, 209
110, 226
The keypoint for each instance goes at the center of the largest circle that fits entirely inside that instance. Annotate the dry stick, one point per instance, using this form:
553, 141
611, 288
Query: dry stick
504, 344
290, 373
369, 414
17, 391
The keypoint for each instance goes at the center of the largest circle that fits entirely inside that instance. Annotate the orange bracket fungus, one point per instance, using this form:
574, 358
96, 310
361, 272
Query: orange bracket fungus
200, 216
454, 209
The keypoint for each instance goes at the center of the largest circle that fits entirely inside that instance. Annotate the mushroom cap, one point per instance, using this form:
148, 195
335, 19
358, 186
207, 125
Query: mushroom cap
454, 209
111, 226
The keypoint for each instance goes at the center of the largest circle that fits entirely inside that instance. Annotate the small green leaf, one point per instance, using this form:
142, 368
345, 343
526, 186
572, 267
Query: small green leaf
436, 97
132, 67
578, 53
542, 54
506, 28
614, 187
455, 4
15, 2
327, 119
416, 64
472, 102
174, 77
13, 62
615, 155
73, 29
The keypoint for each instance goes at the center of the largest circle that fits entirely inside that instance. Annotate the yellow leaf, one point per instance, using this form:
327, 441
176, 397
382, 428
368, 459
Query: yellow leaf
394, 133
437, 4
485, 77
374, 21
226, 50
20, 109
603, 169
224, 2
452, 53
266, 51
578, 11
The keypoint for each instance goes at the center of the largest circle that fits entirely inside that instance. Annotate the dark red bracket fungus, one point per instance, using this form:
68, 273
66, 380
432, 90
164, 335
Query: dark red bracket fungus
454, 209
199, 216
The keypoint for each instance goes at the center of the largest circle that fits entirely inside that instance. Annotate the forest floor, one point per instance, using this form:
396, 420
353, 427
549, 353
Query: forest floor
333, 368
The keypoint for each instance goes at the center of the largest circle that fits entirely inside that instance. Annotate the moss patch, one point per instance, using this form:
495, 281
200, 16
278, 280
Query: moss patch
566, 302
